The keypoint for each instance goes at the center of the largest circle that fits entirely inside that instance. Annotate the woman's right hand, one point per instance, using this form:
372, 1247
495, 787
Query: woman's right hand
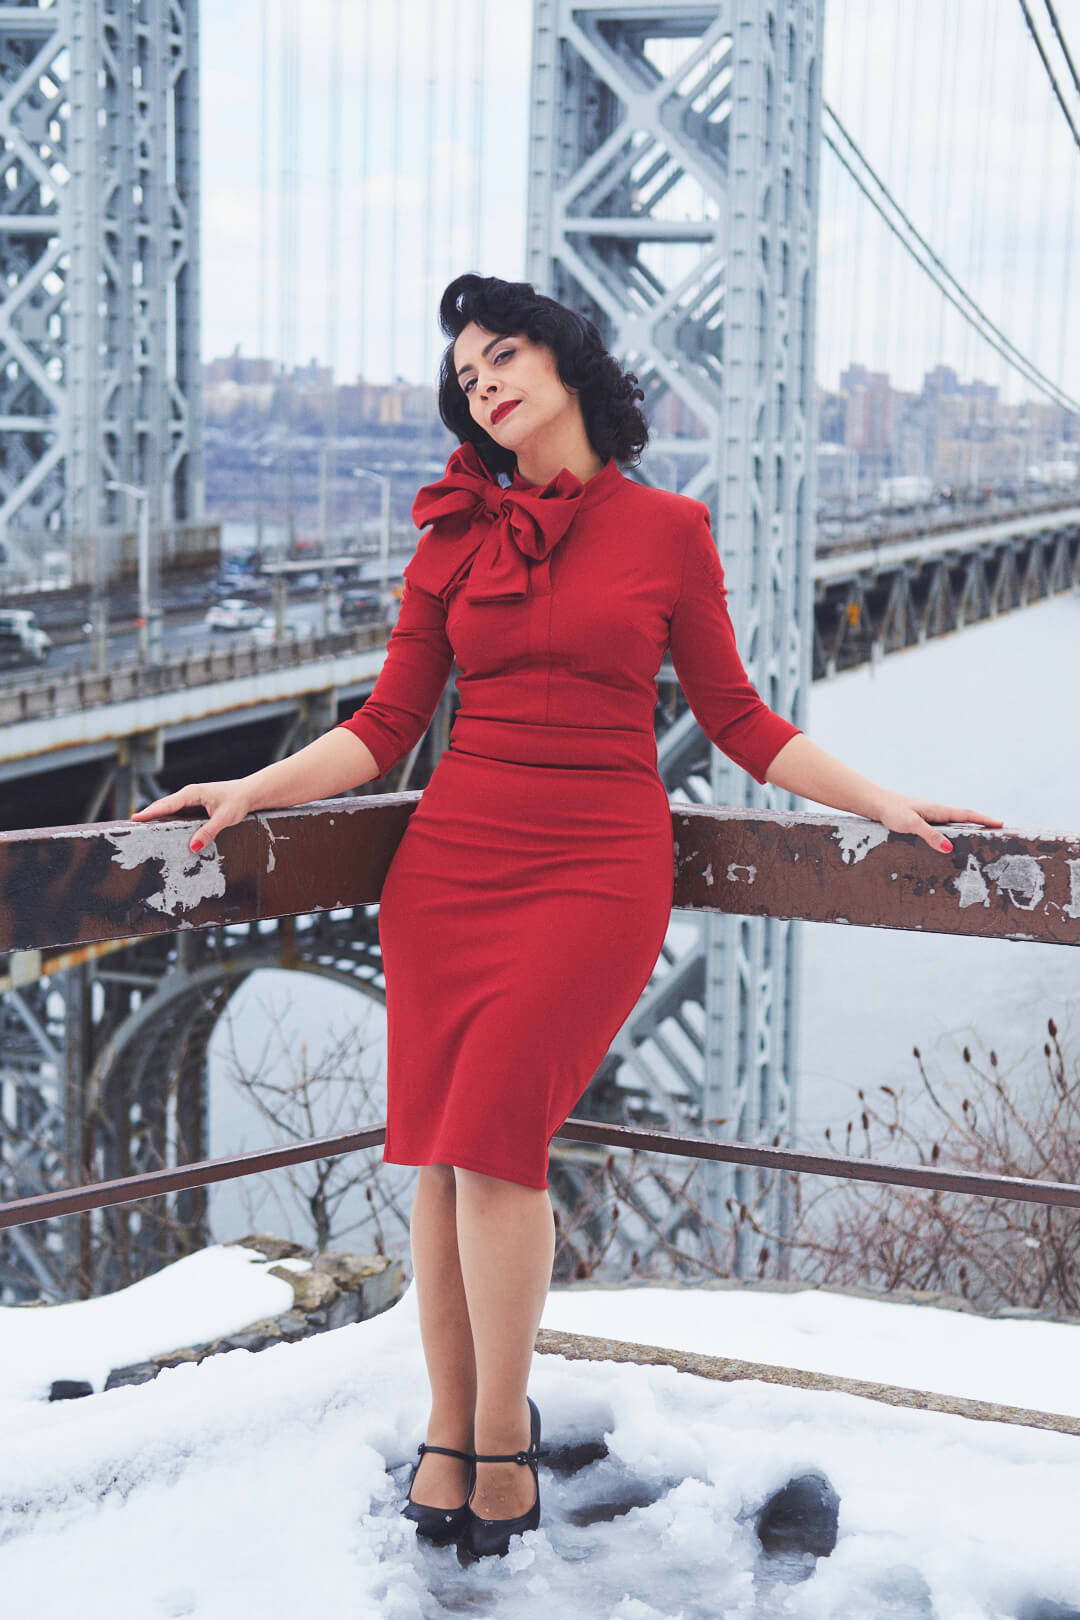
226, 804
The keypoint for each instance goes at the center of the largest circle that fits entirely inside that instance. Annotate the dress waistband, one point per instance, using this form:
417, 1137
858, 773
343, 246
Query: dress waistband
522, 743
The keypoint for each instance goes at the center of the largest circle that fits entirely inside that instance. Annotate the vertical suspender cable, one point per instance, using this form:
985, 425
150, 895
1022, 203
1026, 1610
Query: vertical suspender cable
885, 291
858, 353
264, 262
479, 31
454, 59
1067, 284
395, 269
939, 134
1039, 286
906, 272
289, 224
829, 336
972, 193
1014, 211
948, 165
429, 280
333, 286
363, 278
987, 100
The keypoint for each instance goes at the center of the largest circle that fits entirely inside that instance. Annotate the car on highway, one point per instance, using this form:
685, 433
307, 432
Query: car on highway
235, 613
360, 606
22, 641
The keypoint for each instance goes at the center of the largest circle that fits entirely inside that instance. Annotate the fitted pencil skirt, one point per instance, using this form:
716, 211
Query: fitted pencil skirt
521, 917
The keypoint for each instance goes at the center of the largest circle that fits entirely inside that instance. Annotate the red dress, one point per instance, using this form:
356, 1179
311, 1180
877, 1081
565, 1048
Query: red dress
526, 904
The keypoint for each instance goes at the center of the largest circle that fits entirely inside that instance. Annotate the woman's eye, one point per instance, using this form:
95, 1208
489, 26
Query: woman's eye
503, 354
467, 384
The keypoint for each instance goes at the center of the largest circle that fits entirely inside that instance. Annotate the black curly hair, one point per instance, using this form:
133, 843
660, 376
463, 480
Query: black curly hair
616, 427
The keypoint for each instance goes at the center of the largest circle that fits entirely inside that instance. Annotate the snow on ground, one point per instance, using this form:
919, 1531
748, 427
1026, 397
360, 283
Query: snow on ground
1010, 1362
199, 1298
270, 1485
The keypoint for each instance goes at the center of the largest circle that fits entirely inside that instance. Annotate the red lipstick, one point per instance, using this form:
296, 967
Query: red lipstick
503, 410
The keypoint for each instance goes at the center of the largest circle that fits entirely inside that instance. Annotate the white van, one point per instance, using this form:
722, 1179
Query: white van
22, 641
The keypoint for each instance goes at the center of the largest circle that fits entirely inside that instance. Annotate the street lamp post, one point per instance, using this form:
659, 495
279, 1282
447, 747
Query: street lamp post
383, 480
148, 632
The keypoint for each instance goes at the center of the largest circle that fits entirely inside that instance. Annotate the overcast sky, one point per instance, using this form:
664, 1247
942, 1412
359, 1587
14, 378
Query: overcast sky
947, 99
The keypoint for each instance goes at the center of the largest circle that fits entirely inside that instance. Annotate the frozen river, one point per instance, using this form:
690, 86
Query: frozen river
982, 719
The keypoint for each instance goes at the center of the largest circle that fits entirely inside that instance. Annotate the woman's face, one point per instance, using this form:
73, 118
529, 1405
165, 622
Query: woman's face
512, 385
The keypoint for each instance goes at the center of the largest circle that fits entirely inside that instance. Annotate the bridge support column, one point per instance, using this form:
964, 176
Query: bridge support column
101, 376
138, 759
673, 198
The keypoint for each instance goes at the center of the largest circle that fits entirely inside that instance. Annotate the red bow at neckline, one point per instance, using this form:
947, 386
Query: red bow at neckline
484, 534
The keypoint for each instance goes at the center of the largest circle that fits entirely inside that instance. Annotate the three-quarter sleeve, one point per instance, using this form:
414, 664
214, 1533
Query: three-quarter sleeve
725, 703
409, 685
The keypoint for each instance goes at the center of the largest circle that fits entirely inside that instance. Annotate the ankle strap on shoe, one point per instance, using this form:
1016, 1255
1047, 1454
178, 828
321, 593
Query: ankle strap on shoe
445, 1451
518, 1456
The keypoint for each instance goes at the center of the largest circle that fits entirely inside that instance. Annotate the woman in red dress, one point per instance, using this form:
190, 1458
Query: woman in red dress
527, 901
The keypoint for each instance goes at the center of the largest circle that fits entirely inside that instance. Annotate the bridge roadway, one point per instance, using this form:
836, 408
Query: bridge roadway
260, 702
835, 561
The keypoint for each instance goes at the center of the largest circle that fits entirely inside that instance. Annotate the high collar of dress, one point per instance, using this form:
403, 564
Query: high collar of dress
483, 533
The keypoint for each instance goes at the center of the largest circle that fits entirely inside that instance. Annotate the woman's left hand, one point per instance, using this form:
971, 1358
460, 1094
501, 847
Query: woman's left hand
902, 813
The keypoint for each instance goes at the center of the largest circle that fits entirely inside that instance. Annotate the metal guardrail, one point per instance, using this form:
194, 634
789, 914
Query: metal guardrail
72, 885
128, 1189
72, 693
65, 886
929, 522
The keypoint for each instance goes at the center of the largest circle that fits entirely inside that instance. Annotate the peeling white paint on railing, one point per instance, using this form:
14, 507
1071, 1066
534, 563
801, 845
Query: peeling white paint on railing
1020, 877
272, 838
741, 874
1073, 907
187, 878
971, 886
857, 838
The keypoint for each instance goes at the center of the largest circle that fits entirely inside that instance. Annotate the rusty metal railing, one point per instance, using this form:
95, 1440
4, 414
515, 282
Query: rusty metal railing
128, 1189
73, 886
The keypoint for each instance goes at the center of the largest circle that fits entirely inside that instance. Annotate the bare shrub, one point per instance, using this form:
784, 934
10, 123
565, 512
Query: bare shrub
994, 1252
322, 1094
646, 1215
633, 1214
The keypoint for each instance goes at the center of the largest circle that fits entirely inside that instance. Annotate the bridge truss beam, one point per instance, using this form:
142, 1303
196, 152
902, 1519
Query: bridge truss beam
883, 606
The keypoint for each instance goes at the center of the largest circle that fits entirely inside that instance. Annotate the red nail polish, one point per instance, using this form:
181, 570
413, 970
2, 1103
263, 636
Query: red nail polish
946, 848
195, 844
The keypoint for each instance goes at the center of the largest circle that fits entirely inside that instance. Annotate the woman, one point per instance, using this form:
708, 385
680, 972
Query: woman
526, 904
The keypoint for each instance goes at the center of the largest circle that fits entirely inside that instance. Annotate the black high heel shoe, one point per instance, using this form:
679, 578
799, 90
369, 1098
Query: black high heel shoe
485, 1537
440, 1526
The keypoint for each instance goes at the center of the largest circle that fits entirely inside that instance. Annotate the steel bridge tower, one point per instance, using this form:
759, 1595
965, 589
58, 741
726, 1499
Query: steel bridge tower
99, 254
673, 198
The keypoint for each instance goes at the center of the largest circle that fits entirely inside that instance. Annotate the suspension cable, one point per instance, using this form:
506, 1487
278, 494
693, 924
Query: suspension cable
1055, 87
1061, 41
936, 269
